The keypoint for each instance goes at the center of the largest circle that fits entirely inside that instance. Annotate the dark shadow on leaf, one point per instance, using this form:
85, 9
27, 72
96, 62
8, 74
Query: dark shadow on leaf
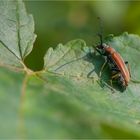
97, 61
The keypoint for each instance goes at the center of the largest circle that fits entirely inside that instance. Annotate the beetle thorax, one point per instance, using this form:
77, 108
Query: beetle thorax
109, 50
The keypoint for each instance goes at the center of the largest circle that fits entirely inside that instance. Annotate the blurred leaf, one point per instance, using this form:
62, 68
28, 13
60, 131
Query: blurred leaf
16, 33
10, 92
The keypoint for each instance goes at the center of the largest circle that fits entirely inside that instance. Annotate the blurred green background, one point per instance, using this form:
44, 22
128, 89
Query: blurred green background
62, 21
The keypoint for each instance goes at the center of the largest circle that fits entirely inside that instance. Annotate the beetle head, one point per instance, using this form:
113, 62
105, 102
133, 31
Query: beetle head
102, 46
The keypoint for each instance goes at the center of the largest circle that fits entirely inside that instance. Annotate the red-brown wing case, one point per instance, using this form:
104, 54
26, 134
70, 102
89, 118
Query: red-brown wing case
122, 66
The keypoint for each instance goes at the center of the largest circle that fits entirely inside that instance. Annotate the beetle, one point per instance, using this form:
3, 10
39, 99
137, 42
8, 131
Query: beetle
120, 70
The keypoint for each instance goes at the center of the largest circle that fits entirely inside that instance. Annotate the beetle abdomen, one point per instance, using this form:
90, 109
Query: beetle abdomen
121, 66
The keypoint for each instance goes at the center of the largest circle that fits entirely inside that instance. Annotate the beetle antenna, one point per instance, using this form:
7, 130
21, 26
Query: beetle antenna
100, 34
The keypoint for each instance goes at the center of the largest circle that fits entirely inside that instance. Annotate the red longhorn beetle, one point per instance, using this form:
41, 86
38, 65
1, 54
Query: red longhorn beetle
119, 71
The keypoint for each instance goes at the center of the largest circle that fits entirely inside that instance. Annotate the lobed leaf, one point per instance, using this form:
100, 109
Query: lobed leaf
111, 109
16, 33
67, 98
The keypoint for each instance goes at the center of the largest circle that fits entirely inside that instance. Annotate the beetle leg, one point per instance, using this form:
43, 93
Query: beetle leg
128, 66
110, 87
132, 80
102, 68
135, 81
111, 82
115, 75
115, 69
96, 49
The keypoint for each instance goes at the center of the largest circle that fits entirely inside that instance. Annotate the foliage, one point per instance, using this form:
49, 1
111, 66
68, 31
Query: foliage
66, 99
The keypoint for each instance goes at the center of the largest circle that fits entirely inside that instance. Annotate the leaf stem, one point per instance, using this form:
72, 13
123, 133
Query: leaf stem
21, 107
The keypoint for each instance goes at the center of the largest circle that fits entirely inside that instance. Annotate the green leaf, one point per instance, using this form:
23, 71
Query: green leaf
75, 61
62, 102
10, 92
128, 46
67, 98
16, 33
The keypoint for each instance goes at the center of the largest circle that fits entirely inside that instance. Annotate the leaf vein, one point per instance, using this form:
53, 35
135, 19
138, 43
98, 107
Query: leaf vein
18, 30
